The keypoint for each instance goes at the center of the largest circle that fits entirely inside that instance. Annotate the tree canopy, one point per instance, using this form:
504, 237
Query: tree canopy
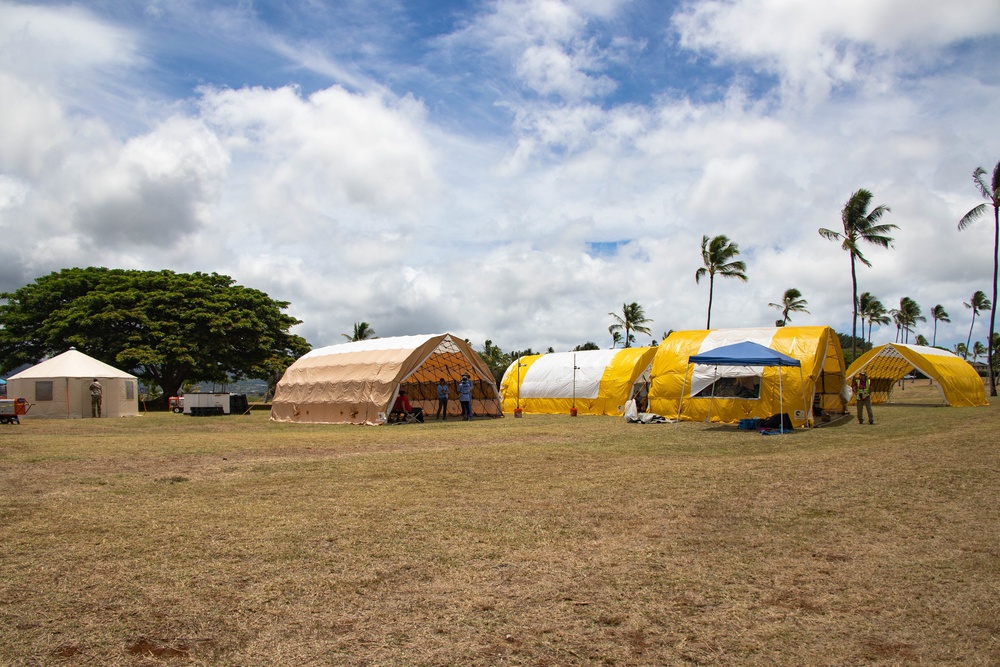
168, 328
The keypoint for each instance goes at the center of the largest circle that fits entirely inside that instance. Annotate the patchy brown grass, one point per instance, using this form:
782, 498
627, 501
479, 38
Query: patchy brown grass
539, 541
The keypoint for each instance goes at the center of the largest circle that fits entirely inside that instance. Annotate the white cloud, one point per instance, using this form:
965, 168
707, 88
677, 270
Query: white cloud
816, 47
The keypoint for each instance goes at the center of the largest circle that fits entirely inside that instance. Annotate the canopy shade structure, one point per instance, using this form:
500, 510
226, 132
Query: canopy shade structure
694, 391
357, 383
595, 382
59, 388
958, 382
748, 355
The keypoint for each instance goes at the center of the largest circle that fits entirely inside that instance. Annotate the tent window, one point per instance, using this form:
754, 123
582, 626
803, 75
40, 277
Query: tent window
43, 390
739, 387
129, 390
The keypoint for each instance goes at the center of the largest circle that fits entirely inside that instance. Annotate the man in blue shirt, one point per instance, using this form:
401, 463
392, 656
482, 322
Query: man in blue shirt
442, 411
465, 397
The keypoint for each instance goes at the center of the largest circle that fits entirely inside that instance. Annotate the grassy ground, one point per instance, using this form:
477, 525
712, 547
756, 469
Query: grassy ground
168, 539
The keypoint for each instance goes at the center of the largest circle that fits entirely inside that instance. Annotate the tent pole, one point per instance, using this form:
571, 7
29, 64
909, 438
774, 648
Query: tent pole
781, 408
806, 409
711, 398
680, 399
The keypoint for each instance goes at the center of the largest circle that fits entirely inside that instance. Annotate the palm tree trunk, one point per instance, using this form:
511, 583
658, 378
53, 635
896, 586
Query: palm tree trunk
968, 344
854, 322
934, 340
993, 308
711, 288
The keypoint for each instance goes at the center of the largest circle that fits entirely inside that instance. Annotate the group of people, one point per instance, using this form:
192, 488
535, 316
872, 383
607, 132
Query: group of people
402, 406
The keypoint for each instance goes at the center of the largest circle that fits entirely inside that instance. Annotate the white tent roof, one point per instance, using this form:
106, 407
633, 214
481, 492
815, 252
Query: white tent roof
71, 364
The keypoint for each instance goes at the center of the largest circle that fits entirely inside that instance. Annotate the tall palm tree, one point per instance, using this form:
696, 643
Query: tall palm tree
791, 302
977, 304
991, 193
860, 226
362, 331
631, 319
717, 254
938, 314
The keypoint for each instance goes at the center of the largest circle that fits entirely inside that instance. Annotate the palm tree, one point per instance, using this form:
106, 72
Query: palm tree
716, 254
978, 350
860, 225
961, 350
868, 304
921, 340
911, 315
905, 317
362, 331
879, 316
632, 319
938, 314
977, 304
791, 302
616, 336
991, 193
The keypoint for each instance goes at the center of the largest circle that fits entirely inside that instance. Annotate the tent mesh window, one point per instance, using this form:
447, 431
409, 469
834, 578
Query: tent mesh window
43, 390
732, 387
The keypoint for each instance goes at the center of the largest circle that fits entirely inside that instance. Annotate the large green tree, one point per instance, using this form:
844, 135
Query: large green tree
859, 226
632, 319
718, 255
991, 193
168, 328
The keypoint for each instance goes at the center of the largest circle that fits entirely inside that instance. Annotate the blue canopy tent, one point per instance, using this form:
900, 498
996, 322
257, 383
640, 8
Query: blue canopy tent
745, 354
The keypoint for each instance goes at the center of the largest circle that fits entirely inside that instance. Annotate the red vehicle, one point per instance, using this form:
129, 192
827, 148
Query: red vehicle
176, 404
12, 409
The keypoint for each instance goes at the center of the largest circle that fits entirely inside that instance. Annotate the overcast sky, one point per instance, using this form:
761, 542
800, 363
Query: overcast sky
509, 170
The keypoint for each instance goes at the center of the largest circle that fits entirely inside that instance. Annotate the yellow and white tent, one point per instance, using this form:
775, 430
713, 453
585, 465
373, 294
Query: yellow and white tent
357, 383
956, 379
728, 394
595, 382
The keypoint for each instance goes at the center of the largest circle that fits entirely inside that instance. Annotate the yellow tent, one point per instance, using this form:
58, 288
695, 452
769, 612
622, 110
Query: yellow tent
356, 383
595, 382
728, 394
956, 379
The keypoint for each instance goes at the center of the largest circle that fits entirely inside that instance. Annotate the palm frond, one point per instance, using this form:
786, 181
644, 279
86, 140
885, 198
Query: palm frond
973, 215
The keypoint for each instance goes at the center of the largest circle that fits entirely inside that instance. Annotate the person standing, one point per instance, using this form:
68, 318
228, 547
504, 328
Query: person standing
443, 390
465, 397
95, 398
862, 387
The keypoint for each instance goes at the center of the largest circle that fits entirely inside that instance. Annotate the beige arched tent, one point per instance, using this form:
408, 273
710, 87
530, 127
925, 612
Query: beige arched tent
59, 387
955, 378
357, 383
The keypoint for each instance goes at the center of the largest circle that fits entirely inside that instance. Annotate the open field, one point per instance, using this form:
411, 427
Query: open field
174, 540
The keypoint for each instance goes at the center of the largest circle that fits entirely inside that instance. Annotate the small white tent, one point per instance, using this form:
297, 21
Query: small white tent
59, 387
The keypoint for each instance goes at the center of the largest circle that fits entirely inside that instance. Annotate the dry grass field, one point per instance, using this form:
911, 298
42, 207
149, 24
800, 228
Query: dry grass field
171, 540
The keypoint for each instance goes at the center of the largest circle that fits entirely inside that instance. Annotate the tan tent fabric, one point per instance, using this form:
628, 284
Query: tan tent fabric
357, 383
59, 388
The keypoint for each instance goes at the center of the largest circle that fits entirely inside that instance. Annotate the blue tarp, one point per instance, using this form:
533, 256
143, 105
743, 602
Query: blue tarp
744, 354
